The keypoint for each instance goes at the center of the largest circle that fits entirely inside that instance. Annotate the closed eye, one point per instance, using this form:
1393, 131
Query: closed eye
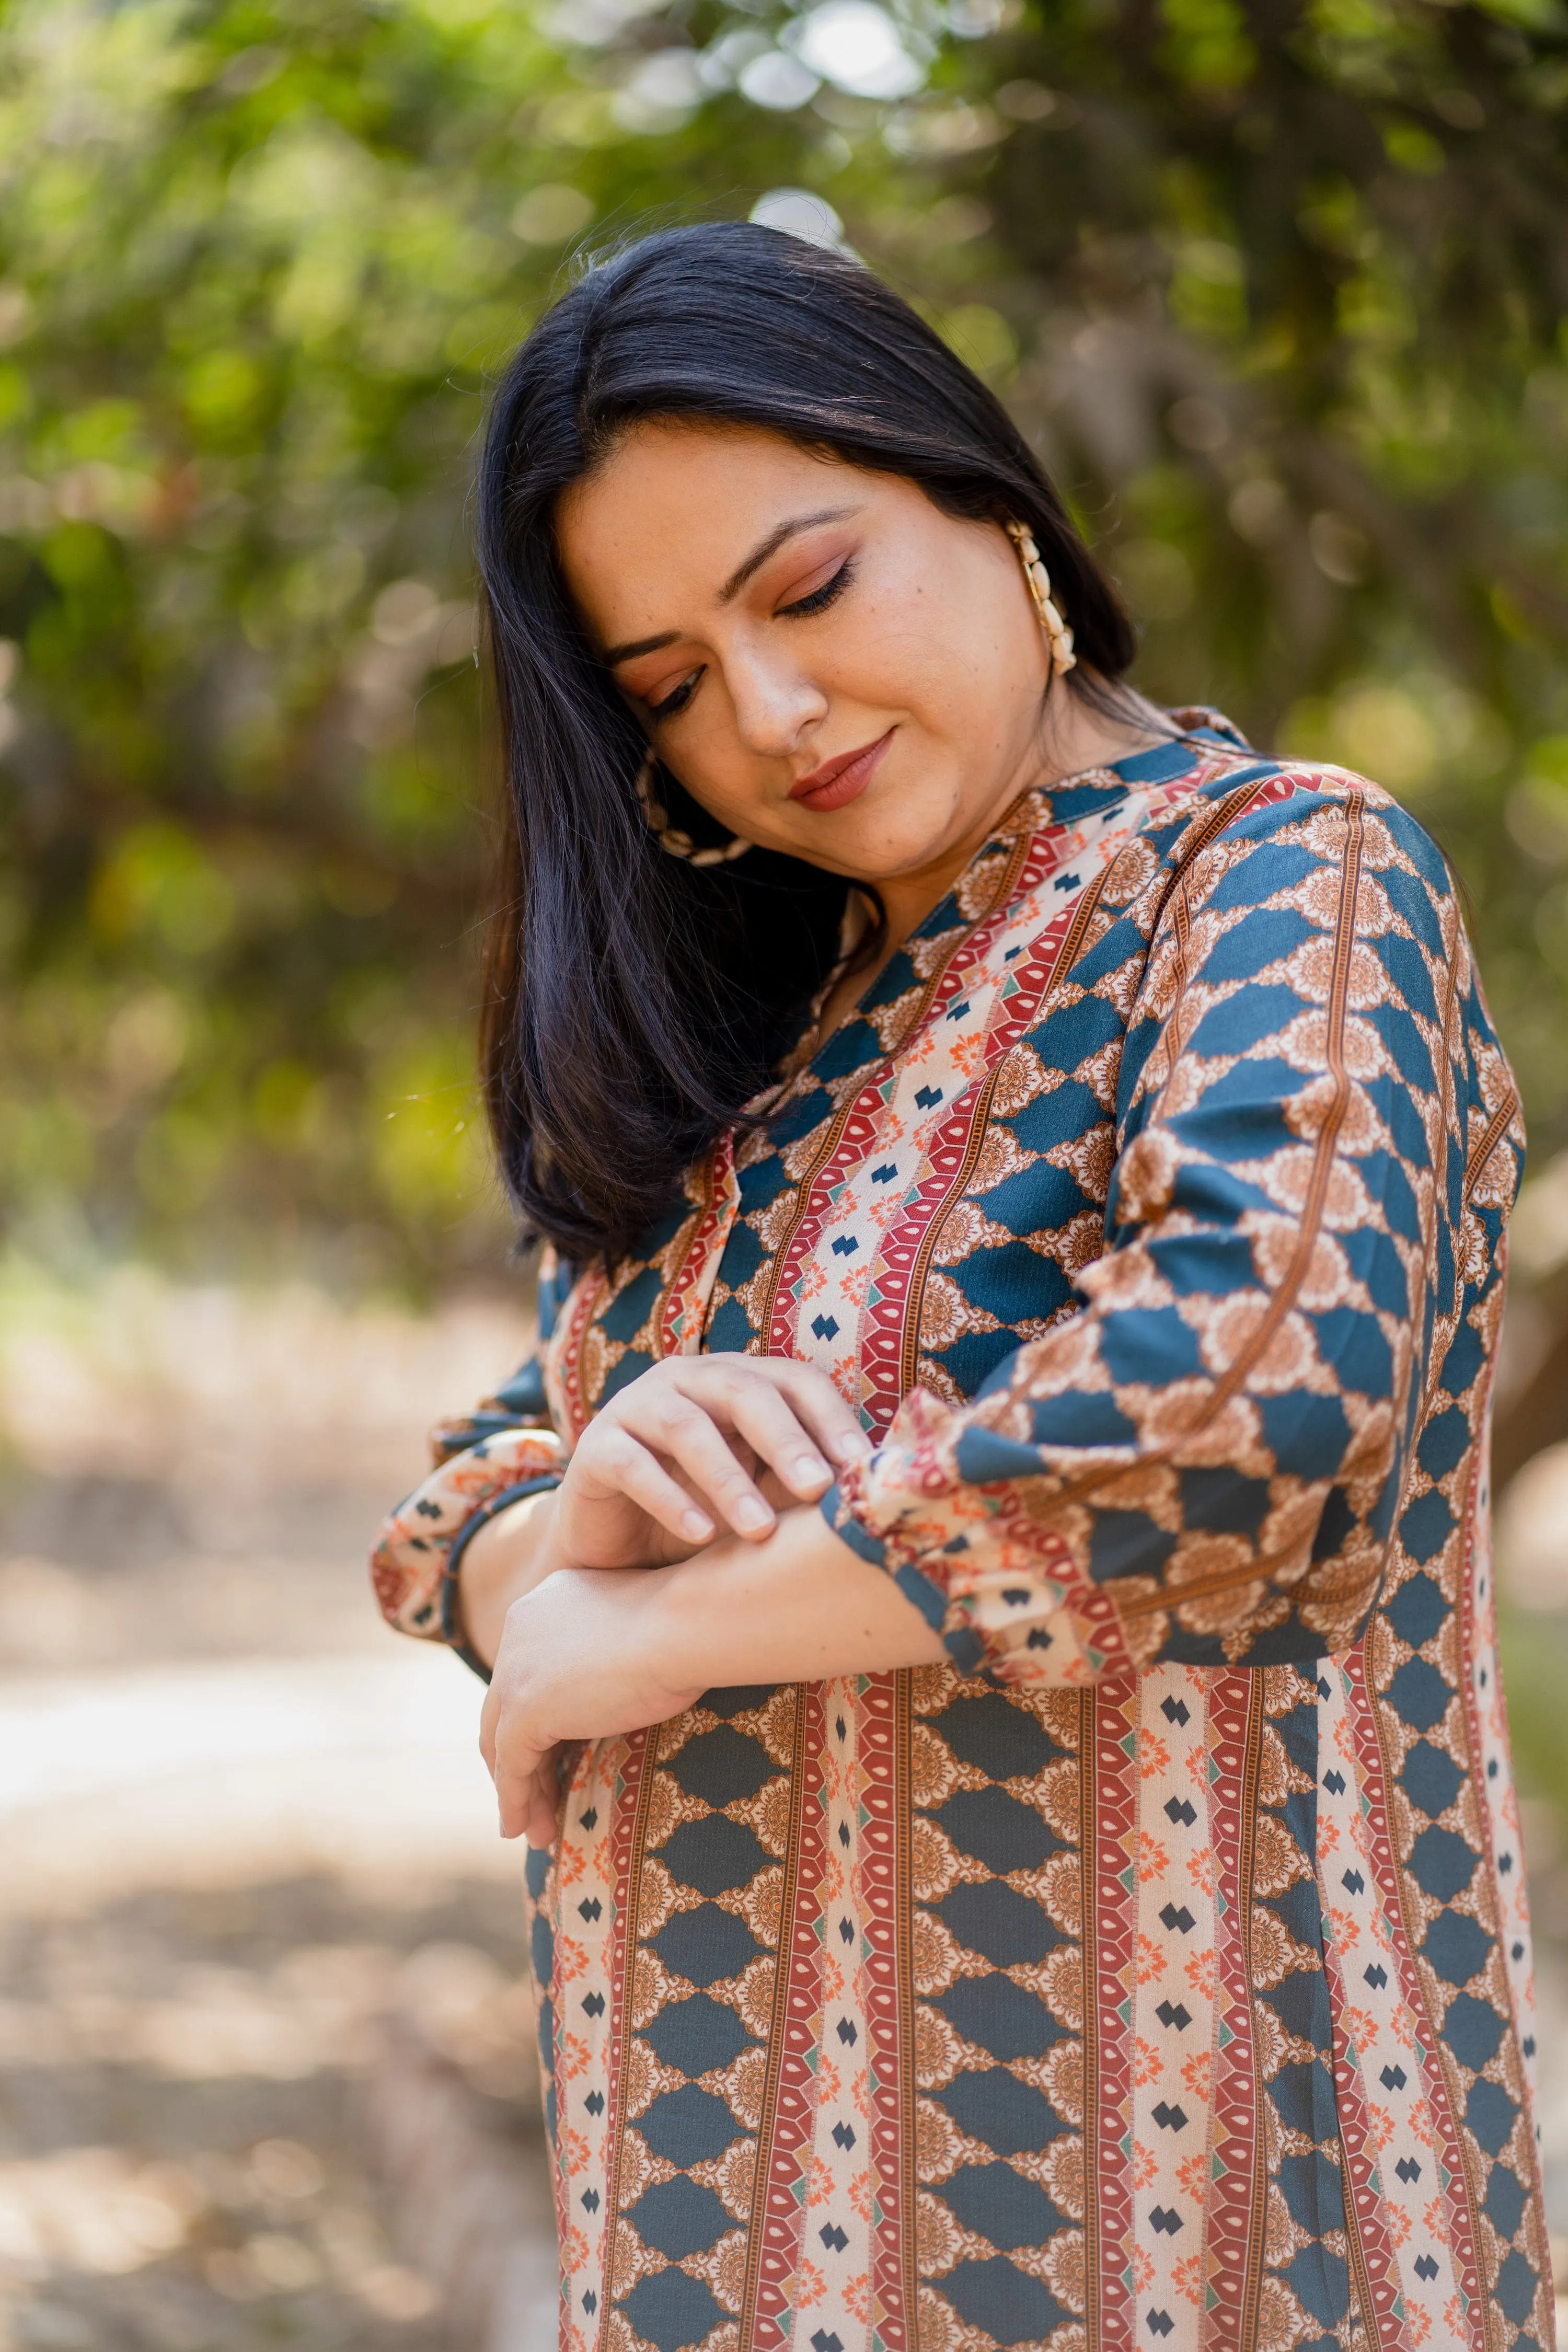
820, 598
676, 702
817, 601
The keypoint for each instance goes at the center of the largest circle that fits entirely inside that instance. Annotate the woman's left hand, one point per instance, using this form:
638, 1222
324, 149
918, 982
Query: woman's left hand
576, 1660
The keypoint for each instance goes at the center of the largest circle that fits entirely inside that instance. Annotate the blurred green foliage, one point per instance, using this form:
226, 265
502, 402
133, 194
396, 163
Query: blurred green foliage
1278, 291
1533, 1649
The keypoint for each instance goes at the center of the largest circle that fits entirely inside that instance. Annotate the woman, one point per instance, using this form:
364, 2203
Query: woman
988, 1588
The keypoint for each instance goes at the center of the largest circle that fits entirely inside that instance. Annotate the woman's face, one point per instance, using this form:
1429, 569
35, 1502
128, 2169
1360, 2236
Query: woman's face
829, 663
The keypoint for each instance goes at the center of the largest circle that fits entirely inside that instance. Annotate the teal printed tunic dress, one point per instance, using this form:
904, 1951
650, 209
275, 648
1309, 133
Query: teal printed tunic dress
1155, 1973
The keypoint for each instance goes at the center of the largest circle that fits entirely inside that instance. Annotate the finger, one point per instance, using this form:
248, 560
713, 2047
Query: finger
621, 1464
834, 1424
489, 1717
518, 1766
543, 1823
701, 1451
768, 1419
725, 1387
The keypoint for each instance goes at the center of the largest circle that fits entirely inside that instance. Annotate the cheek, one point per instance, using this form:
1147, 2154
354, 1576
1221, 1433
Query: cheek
918, 648
712, 763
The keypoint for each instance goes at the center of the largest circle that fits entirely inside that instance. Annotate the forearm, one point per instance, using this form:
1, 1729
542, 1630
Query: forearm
801, 1606
505, 1558
592, 1652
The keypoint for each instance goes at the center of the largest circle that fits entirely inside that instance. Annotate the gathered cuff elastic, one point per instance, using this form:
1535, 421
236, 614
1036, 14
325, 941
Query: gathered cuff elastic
1000, 1585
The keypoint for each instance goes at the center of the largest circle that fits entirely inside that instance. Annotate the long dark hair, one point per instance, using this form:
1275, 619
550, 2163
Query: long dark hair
635, 1001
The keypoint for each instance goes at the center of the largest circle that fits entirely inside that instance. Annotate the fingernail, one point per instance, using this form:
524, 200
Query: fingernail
696, 1524
752, 1514
811, 1470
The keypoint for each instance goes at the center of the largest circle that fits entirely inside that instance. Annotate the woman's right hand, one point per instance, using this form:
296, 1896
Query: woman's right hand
696, 1446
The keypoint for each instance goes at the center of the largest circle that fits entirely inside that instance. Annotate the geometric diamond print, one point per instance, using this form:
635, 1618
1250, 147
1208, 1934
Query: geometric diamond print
961, 1800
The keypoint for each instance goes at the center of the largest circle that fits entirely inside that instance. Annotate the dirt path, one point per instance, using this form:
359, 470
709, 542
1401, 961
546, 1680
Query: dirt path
266, 2069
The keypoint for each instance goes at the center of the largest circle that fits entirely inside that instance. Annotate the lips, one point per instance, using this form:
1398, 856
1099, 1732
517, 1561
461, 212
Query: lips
839, 780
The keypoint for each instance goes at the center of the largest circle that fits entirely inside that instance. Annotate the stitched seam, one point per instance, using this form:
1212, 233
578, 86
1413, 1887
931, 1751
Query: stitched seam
908, 1361
1182, 922
1467, 1696
1071, 947
1283, 1298
1171, 1596
1224, 813
1439, 1351
1497, 1128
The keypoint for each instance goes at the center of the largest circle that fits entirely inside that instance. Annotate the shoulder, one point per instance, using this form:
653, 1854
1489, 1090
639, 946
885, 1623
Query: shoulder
1270, 816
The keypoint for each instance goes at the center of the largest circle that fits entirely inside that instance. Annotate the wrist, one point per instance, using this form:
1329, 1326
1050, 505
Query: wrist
504, 1558
714, 1620
801, 1606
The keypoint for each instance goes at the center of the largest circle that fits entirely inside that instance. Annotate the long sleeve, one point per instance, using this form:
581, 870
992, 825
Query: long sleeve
1207, 1460
495, 1455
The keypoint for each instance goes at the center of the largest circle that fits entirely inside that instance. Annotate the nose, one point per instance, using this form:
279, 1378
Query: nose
776, 703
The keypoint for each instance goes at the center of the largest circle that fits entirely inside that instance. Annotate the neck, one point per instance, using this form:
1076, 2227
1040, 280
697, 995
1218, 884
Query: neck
1075, 736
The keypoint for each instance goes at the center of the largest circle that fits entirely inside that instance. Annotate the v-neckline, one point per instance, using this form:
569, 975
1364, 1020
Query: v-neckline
1037, 807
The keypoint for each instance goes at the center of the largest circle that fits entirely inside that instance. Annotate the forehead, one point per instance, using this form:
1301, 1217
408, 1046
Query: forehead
674, 506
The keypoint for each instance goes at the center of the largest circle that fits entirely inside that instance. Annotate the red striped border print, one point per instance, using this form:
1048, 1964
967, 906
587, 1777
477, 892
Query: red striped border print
947, 1160
884, 1731
888, 1292
1374, 2260
1362, 1706
628, 1843
1467, 1606
564, 1355
1111, 1716
855, 1139
784, 2164
1233, 2248
861, 1129
1091, 1606
679, 1332
1049, 850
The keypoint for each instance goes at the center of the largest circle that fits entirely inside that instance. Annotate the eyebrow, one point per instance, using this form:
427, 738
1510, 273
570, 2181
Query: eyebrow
770, 545
618, 654
736, 581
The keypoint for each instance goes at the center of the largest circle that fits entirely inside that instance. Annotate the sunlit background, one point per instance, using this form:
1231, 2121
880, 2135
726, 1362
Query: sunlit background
1277, 290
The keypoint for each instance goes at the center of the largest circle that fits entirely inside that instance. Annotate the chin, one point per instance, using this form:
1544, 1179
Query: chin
876, 844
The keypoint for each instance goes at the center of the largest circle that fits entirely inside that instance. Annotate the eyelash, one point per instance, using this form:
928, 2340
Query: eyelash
820, 598
818, 602
675, 702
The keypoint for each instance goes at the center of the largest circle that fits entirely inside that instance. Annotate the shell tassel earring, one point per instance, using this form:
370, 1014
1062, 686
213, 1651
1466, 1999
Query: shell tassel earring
670, 837
1059, 636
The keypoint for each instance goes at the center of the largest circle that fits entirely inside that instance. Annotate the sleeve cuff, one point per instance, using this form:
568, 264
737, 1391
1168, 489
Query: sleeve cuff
962, 1643
414, 1564
452, 1629
989, 1573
